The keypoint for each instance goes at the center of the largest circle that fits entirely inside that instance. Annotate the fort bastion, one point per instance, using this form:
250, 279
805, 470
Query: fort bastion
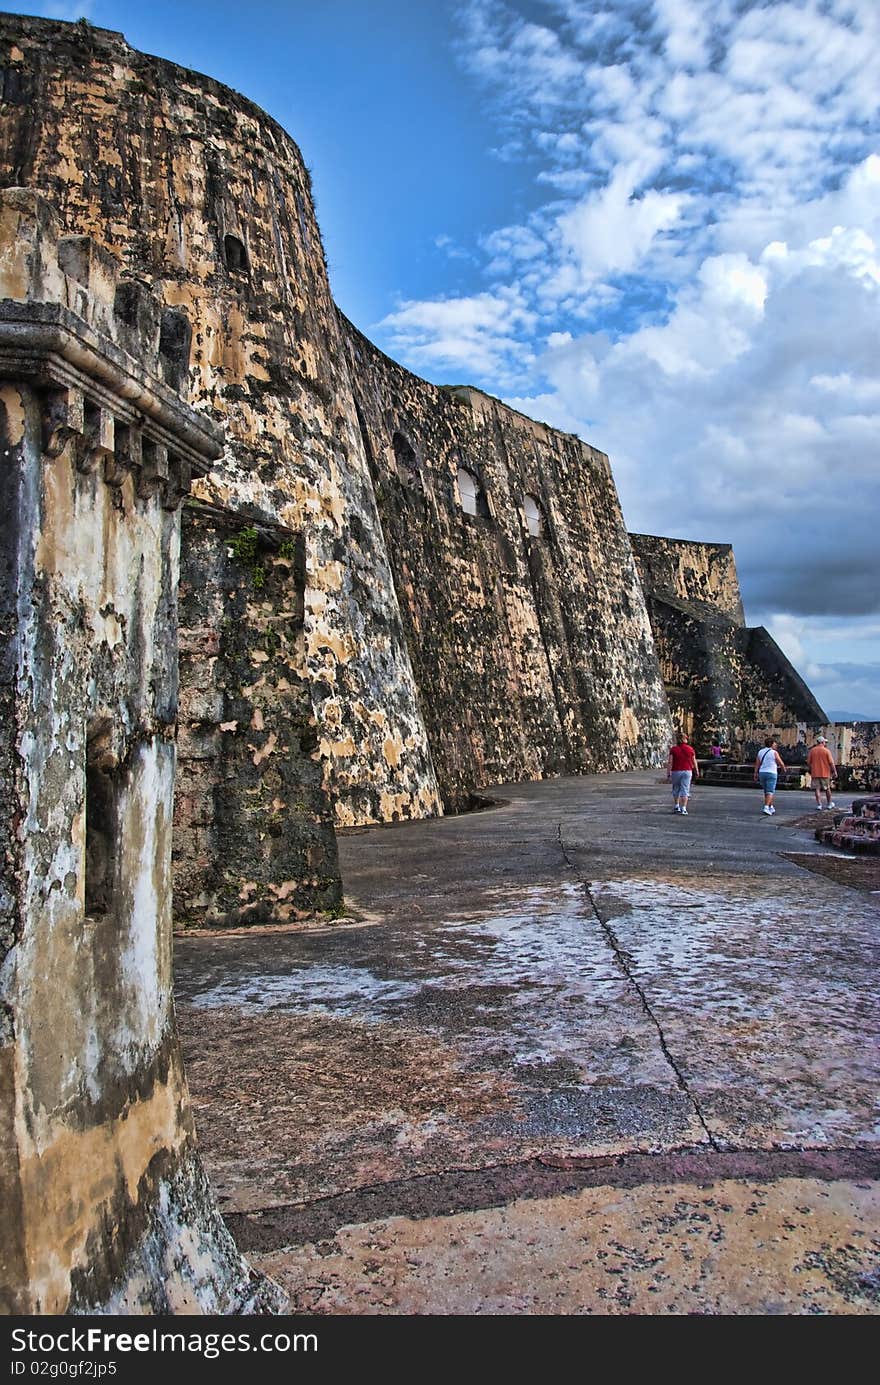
261, 583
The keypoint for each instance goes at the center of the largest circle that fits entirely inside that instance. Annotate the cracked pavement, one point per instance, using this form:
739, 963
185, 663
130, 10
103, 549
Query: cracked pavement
575, 1055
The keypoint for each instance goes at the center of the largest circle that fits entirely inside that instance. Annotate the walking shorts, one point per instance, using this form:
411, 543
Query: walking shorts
681, 783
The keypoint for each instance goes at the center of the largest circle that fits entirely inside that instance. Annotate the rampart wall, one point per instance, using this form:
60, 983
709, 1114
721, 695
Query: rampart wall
390, 595
704, 573
722, 678
532, 651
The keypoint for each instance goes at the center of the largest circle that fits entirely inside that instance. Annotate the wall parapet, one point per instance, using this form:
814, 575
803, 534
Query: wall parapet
97, 452
723, 679
112, 409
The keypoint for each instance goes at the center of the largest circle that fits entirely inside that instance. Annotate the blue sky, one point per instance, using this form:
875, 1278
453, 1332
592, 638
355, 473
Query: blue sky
652, 222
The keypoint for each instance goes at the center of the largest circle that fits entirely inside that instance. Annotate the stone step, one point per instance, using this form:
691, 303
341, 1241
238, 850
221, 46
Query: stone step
862, 827
742, 776
856, 842
857, 831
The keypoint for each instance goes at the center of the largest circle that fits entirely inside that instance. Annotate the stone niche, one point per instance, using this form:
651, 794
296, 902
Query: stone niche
106, 1207
254, 837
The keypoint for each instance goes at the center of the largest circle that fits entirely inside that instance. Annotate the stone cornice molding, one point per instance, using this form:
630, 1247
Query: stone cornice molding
102, 403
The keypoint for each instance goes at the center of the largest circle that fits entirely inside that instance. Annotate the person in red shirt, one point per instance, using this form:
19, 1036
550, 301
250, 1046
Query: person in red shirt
680, 766
823, 771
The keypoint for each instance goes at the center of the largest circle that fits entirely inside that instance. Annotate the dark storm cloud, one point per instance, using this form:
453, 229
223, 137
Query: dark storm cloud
813, 581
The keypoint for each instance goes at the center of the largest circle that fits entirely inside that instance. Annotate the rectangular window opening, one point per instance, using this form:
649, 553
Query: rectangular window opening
101, 821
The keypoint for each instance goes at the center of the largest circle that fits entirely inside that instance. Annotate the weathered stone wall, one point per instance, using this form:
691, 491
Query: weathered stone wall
253, 828
207, 200
428, 635
12, 789
695, 607
701, 667
721, 677
855, 744
699, 572
864, 745
107, 1204
533, 654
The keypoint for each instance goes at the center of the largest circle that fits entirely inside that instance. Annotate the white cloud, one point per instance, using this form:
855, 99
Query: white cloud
789, 632
732, 282
686, 29
477, 333
698, 293
857, 389
839, 660
610, 232
512, 246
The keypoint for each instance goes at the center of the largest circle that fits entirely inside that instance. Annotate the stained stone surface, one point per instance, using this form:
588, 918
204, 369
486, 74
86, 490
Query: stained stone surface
574, 980
721, 678
731, 1247
434, 650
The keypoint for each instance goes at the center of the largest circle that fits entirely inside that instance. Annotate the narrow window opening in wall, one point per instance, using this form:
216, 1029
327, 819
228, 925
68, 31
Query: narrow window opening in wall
534, 516
403, 452
175, 341
101, 820
14, 86
471, 494
405, 459
234, 253
91, 419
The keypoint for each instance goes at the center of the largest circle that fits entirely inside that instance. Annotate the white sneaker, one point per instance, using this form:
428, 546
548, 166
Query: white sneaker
684, 812
767, 810
772, 811
831, 805
677, 809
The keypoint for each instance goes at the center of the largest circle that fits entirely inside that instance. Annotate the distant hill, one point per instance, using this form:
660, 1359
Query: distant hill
837, 715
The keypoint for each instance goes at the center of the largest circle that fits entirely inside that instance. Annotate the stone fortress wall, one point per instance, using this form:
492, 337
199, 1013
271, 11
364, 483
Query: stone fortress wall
726, 679
381, 595
425, 652
205, 198
721, 677
530, 644
391, 594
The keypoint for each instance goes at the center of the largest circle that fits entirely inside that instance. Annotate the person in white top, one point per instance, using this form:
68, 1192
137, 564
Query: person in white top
767, 767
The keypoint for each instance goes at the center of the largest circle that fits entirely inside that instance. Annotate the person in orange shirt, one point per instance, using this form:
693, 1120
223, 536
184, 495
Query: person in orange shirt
823, 771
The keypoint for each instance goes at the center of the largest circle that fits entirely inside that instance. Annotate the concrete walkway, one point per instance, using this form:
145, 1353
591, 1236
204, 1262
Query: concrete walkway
578, 1055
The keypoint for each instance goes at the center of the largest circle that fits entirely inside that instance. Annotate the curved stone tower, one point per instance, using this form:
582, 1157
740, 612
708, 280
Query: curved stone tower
438, 655
202, 196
